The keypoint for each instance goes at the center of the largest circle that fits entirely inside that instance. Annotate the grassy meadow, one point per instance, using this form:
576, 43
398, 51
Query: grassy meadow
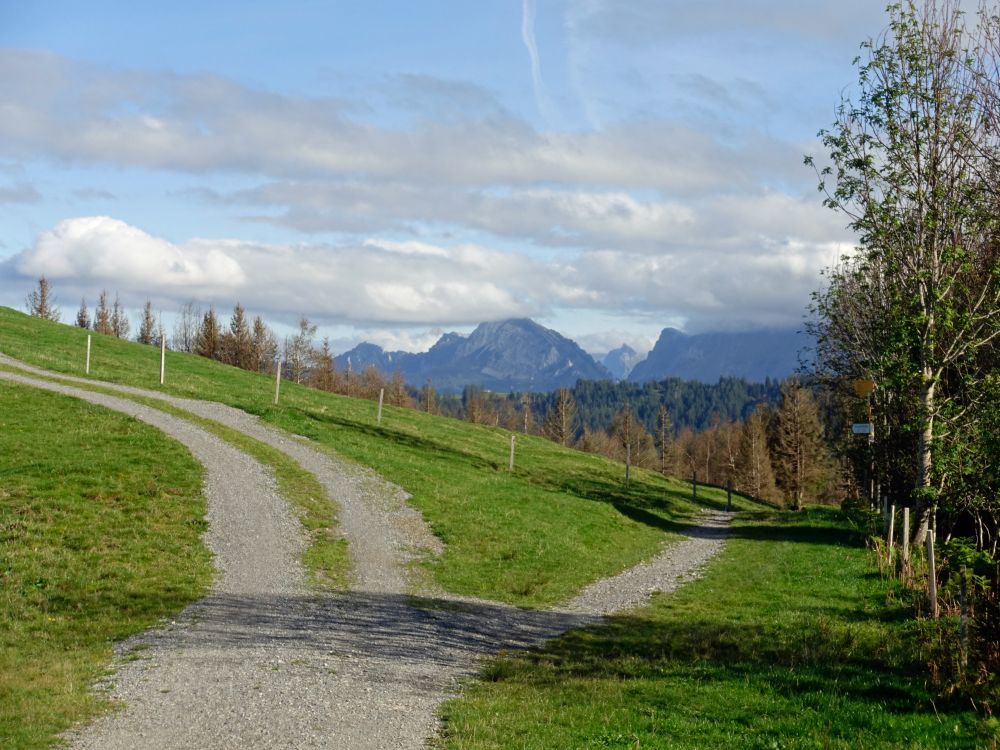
789, 641
100, 525
531, 538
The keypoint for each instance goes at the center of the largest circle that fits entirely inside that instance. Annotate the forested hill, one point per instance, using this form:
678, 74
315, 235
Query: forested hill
690, 403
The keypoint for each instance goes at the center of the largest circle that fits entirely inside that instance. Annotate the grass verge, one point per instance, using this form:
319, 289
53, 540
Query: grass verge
100, 536
534, 537
789, 641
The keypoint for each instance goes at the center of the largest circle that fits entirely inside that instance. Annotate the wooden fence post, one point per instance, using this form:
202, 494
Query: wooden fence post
906, 536
511, 466
892, 531
381, 395
963, 628
931, 575
87, 367
163, 355
277, 383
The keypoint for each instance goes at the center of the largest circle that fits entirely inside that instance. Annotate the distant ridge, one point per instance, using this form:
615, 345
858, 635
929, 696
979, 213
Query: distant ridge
621, 361
706, 357
510, 355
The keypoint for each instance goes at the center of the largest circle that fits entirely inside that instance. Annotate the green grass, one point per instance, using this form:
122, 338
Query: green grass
535, 537
326, 556
100, 535
788, 641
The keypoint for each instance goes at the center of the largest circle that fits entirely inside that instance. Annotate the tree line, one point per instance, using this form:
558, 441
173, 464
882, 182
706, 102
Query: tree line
914, 311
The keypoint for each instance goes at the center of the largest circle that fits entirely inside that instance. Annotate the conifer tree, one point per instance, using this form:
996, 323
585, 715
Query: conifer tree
560, 421
208, 341
323, 373
237, 342
83, 314
147, 326
263, 346
102, 315
663, 436
798, 444
119, 320
430, 397
40, 303
754, 473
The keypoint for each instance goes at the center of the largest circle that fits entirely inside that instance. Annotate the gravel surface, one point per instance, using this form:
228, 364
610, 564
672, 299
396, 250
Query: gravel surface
264, 663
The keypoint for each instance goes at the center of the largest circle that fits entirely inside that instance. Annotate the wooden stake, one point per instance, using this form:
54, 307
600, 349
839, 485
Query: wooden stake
277, 383
87, 367
931, 575
963, 627
892, 530
512, 440
906, 536
163, 356
381, 395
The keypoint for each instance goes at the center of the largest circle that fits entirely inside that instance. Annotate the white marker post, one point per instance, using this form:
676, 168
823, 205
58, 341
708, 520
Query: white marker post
932, 575
513, 439
906, 536
163, 356
86, 368
381, 395
277, 384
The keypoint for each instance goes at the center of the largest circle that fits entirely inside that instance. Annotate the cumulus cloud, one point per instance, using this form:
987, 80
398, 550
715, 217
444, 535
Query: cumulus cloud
377, 281
102, 248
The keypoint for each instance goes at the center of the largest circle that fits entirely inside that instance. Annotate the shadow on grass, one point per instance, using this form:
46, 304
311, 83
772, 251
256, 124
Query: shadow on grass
788, 660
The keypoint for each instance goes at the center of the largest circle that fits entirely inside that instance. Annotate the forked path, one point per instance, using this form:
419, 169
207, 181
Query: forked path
263, 662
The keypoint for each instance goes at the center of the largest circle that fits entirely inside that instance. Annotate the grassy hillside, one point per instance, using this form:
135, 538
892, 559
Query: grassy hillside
100, 524
788, 641
535, 537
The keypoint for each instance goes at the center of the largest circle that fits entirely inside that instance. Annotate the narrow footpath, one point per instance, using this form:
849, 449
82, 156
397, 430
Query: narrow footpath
264, 662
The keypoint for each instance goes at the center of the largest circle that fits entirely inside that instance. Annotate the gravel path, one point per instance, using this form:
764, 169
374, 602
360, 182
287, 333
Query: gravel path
262, 662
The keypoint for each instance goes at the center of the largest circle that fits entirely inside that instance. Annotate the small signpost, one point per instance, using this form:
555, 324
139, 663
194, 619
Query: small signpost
381, 395
512, 440
87, 366
863, 428
277, 383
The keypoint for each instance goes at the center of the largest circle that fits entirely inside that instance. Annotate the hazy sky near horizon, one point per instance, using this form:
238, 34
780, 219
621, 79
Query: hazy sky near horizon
396, 169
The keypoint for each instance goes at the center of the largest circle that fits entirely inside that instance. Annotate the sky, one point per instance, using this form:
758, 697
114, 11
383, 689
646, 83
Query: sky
394, 170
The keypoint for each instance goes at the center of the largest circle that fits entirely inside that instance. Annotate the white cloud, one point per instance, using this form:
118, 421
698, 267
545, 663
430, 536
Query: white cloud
380, 283
53, 107
371, 282
102, 248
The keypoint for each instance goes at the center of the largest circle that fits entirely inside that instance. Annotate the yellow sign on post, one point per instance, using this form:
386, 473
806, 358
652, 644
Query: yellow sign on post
864, 388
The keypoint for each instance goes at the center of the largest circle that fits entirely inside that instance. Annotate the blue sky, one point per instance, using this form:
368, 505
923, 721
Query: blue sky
396, 169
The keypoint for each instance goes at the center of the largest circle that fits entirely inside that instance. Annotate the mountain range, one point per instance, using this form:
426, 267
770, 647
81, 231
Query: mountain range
511, 355
752, 355
521, 355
